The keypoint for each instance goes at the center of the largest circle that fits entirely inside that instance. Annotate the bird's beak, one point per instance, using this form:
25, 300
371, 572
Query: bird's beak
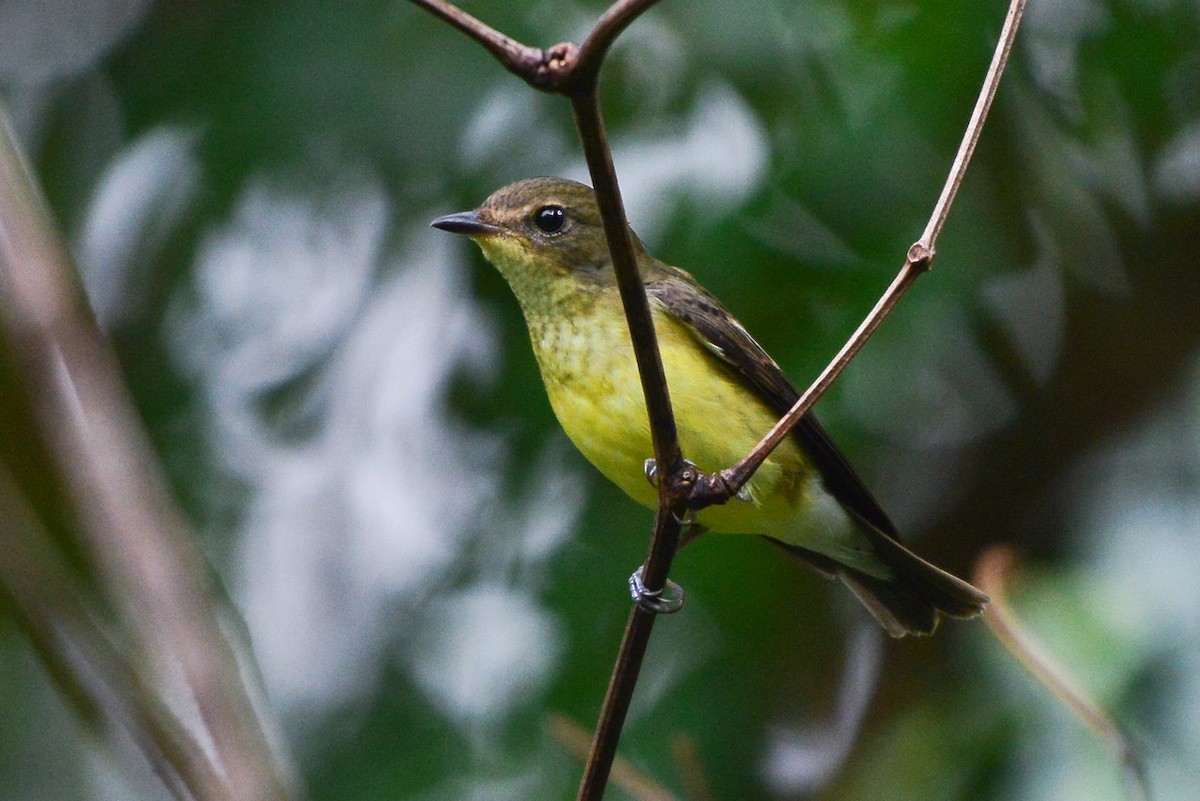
466, 222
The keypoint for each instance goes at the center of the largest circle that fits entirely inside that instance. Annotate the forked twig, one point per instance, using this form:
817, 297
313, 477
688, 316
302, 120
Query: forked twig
993, 574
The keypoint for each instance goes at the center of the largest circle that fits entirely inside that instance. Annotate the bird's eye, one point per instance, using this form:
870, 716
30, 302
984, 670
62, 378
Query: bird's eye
550, 219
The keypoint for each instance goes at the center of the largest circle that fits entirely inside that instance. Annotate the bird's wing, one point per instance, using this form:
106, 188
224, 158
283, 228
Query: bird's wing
678, 294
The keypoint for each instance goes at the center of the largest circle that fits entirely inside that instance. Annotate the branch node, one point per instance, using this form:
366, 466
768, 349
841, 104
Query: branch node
665, 601
711, 489
555, 67
920, 256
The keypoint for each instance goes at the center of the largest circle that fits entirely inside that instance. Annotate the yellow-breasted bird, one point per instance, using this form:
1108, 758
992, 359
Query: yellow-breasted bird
544, 236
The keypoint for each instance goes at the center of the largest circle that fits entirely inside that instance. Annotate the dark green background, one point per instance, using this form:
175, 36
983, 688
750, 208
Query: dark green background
1040, 387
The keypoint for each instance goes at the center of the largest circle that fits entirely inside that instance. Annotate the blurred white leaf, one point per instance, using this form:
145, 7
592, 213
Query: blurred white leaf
373, 506
140, 200
716, 162
478, 652
803, 761
1030, 307
42, 41
927, 382
1177, 172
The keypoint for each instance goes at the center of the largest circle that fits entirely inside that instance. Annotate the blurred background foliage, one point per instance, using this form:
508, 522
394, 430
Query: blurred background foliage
348, 410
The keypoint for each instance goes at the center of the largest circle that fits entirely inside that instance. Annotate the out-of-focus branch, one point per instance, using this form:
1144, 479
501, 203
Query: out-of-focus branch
133, 537
573, 737
993, 574
95, 678
696, 786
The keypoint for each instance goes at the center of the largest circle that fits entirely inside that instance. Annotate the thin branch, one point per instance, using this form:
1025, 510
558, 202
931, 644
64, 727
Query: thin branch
628, 665
573, 72
734, 478
993, 575
696, 786
719, 487
54, 615
671, 498
987, 93
633, 293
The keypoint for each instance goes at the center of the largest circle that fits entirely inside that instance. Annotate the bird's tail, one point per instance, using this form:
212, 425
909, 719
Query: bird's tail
913, 598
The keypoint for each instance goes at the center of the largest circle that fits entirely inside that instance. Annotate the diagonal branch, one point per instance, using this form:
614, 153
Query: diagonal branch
966, 149
719, 487
134, 536
993, 573
102, 685
573, 72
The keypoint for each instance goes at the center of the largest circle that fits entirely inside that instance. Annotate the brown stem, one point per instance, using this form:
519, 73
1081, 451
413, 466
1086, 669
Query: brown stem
633, 293
573, 72
734, 478
993, 574
134, 534
966, 149
667, 454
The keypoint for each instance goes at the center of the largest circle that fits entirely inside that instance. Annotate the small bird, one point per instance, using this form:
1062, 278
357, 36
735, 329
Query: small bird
544, 235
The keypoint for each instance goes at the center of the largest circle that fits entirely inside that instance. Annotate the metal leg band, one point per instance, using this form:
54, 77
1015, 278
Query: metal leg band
666, 601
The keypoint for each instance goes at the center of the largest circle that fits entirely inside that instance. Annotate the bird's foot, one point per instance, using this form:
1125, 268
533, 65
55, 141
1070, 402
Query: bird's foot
710, 489
665, 601
696, 488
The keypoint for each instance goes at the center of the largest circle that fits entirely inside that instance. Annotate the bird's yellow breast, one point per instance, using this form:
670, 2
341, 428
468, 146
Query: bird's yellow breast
591, 376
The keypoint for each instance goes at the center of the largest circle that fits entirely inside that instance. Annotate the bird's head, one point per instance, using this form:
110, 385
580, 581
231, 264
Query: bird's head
537, 232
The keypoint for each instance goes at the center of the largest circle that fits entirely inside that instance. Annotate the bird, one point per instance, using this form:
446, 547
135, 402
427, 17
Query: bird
544, 235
